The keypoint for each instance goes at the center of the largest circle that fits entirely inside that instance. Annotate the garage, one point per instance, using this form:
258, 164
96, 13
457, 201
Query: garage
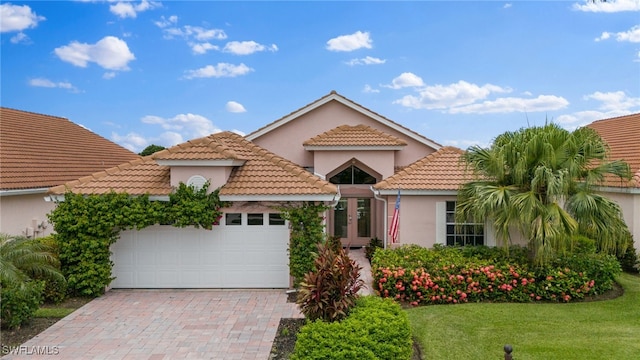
247, 250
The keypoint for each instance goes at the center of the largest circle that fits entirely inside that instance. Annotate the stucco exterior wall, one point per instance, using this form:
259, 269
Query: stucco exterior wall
217, 175
22, 214
630, 205
287, 140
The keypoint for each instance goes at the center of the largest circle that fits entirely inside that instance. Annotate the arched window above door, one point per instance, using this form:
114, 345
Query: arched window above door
352, 175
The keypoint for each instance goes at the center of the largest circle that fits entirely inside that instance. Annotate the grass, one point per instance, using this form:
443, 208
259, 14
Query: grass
607, 329
53, 312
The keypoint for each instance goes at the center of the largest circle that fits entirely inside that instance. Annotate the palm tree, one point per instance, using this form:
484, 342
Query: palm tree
22, 259
541, 181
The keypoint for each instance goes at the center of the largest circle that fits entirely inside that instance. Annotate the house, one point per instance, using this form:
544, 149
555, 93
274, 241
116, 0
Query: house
40, 151
332, 150
622, 134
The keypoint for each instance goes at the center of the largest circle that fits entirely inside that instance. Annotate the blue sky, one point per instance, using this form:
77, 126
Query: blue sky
459, 73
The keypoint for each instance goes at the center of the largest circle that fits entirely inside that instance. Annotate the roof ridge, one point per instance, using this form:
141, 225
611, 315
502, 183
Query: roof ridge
614, 118
34, 113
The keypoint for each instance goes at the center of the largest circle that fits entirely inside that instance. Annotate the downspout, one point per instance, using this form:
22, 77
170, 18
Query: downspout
375, 195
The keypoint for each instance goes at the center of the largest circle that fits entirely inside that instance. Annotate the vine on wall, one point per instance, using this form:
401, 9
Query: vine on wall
307, 230
86, 227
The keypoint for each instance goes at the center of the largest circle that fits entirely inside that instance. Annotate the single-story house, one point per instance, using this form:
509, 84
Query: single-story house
622, 134
40, 151
332, 150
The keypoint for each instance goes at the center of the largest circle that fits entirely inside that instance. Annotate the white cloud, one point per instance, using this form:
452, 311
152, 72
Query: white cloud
369, 60
448, 96
219, 70
616, 100
611, 104
241, 133
235, 107
164, 22
247, 47
610, 6
129, 9
406, 79
46, 83
369, 89
17, 18
351, 42
507, 5
464, 144
193, 32
110, 53
187, 125
202, 48
632, 35
19, 38
109, 75
512, 104
131, 141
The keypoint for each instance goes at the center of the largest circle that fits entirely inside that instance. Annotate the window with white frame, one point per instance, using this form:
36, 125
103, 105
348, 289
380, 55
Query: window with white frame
461, 234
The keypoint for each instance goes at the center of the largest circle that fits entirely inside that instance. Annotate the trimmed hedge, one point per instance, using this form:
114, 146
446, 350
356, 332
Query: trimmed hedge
18, 303
375, 329
459, 275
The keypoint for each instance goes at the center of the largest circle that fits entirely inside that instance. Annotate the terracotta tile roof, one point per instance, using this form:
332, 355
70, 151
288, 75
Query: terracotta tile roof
441, 170
622, 134
359, 135
263, 173
335, 96
40, 151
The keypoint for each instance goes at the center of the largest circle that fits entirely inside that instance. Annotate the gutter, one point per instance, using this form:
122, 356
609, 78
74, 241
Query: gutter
375, 195
23, 191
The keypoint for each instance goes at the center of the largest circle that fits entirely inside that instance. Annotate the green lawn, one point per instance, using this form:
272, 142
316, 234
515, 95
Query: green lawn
589, 330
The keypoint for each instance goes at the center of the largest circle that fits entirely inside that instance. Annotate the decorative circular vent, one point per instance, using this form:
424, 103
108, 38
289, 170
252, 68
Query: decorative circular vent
196, 181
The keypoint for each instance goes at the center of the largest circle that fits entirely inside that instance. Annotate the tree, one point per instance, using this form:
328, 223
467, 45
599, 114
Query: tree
153, 148
22, 259
541, 181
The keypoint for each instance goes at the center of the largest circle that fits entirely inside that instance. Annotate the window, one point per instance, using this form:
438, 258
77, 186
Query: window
255, 219
275, 219
461, 234
233, 219
352, 175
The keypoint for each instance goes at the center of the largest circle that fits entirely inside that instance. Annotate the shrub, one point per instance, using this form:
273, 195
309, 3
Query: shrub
459, 275
375, 329
370, 249
629, 260
328, 292
55, 290
18, 303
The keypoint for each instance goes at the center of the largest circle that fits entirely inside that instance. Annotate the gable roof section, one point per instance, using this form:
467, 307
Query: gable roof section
334, 96
622, 134
359, 136
264, 175
39, 151
441, 172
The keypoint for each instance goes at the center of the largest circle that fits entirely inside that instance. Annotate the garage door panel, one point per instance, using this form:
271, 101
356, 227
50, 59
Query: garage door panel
226, 257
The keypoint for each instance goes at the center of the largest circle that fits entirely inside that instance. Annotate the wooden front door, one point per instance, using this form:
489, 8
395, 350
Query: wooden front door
353, 221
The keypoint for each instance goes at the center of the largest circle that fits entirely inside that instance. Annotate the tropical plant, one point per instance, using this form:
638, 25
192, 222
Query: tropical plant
541, 181
22, 259
153, 148
330, 291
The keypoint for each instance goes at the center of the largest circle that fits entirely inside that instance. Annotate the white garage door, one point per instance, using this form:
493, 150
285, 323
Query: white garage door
244, 251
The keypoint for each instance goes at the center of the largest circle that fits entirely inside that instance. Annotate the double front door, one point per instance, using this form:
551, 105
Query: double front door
352, 221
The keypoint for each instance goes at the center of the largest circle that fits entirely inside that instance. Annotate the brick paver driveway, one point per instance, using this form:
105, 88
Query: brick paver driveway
167, 324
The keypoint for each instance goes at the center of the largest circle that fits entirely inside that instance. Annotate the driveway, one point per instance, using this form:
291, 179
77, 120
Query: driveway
166, 324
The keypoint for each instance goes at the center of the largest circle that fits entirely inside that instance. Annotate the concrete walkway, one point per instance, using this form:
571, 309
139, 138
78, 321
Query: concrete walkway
167, 324
365, 273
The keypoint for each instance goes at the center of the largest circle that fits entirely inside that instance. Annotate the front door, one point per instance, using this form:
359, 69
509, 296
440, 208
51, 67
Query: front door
352, 221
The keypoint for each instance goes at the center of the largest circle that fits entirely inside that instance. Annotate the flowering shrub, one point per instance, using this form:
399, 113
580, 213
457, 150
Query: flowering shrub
454, 275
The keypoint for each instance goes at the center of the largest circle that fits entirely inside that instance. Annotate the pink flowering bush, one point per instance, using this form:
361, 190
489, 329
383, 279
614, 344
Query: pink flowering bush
453, 275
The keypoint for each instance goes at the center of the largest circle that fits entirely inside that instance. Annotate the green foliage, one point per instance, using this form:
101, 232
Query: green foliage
583, 245
375, 329
153, 148
370, 249
307, 230
18, 303
459, 275
53, 312
86, 227
629, 260
22, 259
541, 181
330, 291
55, 290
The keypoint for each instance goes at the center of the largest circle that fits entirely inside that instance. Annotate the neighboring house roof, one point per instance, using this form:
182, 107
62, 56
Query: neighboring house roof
354, 136
39, 151
262, 176
334, 96
440, 172
622, 134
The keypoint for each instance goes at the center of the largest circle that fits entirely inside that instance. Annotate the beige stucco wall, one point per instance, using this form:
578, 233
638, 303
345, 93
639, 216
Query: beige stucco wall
287, 140
217, 175
21, 214
630, 205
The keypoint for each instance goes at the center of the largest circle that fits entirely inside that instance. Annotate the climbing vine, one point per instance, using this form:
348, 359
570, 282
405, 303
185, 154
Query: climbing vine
307, 230
86, 227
